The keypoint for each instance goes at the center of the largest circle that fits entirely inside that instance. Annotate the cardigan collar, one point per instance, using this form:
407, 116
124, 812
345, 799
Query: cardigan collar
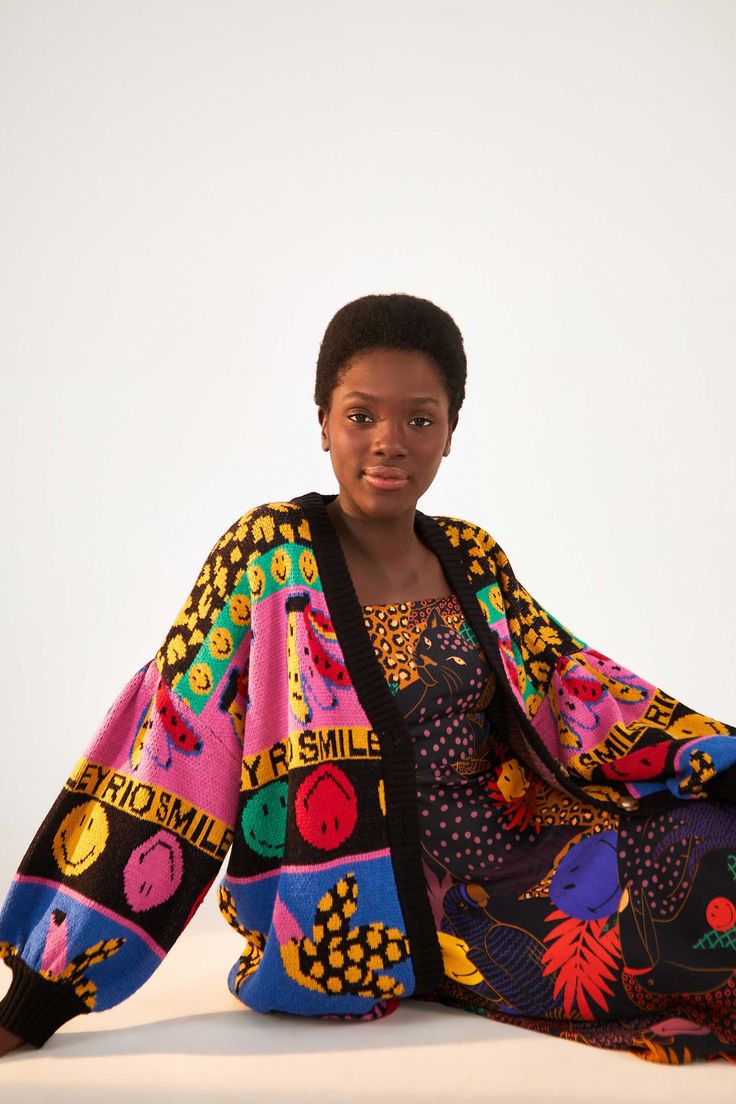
347, 613
387, 720
314, 505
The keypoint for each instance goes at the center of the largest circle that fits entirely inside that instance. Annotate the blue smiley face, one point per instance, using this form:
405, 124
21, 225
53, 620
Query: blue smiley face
585, 884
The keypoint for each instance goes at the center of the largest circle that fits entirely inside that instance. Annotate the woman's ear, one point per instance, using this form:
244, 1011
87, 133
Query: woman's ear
322, 418
446, 450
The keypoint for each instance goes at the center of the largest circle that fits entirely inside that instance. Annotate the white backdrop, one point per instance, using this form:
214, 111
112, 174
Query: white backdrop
190, 190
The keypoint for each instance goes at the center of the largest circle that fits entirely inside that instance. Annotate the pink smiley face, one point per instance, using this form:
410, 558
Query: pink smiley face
153, 872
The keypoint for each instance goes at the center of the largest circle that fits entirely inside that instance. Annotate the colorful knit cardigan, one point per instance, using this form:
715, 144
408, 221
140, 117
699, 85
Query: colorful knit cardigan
265, 721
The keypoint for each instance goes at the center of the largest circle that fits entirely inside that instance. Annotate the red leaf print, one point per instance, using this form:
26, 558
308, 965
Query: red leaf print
517, 810
583, 957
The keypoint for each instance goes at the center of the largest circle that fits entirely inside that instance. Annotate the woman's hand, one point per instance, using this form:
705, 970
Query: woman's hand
9, 1041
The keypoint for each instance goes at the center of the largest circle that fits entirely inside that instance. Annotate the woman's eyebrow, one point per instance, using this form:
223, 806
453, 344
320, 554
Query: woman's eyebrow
372, 398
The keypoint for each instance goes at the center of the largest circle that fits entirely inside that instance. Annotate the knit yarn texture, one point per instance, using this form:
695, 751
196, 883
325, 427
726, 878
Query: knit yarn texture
265, 729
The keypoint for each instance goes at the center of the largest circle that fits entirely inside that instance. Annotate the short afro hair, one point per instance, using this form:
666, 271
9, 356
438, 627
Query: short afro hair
392, 321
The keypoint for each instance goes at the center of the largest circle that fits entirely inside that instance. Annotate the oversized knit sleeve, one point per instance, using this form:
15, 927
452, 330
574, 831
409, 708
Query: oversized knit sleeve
140, 828
614, 732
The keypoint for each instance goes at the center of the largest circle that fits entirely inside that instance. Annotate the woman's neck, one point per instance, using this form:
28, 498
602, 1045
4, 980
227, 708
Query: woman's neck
390, 542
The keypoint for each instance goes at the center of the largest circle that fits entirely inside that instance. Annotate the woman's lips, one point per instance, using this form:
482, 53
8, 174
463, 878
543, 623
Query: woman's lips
385, 478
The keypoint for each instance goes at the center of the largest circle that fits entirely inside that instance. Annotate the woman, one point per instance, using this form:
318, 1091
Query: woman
432, 788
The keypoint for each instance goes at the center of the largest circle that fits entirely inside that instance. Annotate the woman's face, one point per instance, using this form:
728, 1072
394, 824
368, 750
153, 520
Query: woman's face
398, 421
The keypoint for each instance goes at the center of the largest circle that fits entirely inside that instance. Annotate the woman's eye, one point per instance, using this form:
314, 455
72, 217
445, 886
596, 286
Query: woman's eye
361, 414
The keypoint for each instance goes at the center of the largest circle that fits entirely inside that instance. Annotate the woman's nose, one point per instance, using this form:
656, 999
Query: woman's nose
389, 437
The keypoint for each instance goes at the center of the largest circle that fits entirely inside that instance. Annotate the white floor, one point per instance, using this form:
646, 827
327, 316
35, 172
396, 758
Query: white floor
183, 1037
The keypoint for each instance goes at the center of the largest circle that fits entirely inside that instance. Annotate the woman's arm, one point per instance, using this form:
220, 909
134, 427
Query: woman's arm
617, 735
143, 823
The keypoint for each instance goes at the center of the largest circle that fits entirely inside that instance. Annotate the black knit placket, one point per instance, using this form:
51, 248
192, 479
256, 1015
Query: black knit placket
397, 754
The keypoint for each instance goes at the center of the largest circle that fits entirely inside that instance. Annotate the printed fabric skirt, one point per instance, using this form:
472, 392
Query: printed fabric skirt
614, 930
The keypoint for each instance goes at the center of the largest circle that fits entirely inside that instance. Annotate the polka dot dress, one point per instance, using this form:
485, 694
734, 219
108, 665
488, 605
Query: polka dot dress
615, 930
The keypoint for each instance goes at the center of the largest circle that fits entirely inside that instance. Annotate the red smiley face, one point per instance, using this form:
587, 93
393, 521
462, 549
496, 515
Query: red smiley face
648, 762
326, 807
721, 914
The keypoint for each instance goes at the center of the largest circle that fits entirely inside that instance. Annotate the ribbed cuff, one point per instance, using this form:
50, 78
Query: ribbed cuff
34, 1008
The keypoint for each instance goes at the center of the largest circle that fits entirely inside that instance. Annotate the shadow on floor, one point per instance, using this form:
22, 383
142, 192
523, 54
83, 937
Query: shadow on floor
243, 1033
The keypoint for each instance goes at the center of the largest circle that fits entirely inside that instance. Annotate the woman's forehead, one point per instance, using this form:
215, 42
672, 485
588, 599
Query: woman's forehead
391, 372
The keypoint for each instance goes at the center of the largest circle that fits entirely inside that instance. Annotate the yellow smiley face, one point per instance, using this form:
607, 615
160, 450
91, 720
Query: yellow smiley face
257, 580
308, 565
240, 609
221, 643
81, 838
281, 566
200, 678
